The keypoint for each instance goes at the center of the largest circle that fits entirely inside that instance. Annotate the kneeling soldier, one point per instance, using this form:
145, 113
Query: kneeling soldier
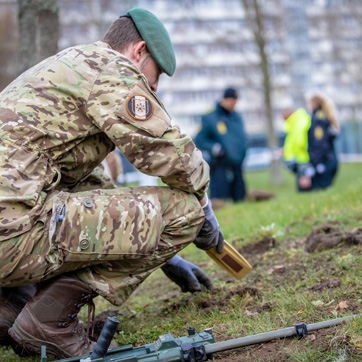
66, 235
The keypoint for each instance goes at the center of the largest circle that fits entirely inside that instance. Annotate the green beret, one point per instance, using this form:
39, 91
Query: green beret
156, 37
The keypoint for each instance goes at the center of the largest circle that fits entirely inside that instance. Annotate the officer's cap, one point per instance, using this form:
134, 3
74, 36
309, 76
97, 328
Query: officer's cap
231, 93
156, 37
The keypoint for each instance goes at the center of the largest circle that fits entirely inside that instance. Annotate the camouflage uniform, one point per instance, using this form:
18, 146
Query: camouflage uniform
58, 121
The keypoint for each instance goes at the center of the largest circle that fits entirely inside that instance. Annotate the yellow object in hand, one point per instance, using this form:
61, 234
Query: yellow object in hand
231, 261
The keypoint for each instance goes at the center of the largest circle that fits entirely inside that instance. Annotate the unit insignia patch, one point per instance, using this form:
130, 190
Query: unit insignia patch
139, 107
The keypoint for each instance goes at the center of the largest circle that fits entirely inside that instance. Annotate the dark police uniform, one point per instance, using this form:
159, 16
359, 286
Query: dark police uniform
321, 150
225, 128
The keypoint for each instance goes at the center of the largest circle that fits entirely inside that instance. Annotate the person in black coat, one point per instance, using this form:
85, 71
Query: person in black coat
223, 143
323, 163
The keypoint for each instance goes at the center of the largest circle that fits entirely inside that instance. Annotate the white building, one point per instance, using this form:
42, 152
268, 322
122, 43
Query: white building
313, 45
214, 50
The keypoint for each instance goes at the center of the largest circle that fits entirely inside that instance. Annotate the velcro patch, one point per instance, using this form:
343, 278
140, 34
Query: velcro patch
143, 110
139, 107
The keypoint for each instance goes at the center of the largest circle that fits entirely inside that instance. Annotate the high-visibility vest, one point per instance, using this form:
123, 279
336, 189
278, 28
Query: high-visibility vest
296, 141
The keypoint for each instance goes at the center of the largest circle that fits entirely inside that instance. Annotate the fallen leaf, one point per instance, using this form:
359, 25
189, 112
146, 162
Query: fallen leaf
341, 307
317, 303
250, 314
276, 269
301, 310
311, 337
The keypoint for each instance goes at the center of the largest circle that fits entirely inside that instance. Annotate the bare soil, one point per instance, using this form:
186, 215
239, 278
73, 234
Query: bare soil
329, 236
259, 195
260, 247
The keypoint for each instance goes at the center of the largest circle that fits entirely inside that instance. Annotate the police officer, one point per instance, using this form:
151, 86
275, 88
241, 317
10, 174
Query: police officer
309, 144
222, 139
321, 135
66, 235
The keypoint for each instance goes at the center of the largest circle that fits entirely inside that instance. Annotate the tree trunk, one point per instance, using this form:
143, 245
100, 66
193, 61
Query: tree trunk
256, 17
276, 175
38, 31
356, 128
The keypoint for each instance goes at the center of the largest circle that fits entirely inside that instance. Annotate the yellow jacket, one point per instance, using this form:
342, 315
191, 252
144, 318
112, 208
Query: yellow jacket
296, 142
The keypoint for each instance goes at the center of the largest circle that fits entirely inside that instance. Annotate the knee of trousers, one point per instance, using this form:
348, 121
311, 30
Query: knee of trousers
183, 218
99, 225
122, 223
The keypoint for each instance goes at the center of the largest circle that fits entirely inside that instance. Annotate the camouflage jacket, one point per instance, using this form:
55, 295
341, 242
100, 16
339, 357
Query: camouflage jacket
59, 120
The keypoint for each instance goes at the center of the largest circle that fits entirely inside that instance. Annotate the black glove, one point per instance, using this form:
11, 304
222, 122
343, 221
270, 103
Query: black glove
210, 234
186, 275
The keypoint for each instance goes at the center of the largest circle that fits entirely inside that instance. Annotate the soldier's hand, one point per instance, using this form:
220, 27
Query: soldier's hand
186, 275
210, 234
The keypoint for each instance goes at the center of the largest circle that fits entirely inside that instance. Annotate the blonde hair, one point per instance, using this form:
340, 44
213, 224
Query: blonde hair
327, 108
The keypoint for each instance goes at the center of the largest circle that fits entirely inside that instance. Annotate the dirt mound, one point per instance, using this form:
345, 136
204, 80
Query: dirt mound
217, 302
260, 247
329, 236
259, 195
329, 283
242, 291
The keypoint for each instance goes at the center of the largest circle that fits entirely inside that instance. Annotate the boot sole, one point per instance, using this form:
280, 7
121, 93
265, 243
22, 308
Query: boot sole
34, 345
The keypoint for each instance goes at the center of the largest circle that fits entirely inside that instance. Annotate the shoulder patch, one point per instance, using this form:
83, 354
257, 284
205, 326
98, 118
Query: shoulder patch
144, 110
139, 107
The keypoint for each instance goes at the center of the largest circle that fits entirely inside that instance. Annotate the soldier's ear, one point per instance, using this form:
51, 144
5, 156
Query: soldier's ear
138, 49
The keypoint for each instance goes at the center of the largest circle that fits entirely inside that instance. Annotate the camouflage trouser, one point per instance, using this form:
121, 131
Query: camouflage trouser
111, 239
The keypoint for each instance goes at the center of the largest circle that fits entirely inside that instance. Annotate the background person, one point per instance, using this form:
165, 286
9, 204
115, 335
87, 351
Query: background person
321, 136
295, 149
309, 144
58, 121
222, 138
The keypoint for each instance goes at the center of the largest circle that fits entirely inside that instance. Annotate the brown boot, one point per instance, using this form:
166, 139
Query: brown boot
12, 301
50, 319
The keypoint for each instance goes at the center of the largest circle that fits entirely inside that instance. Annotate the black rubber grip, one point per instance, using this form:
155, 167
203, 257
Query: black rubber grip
105, 338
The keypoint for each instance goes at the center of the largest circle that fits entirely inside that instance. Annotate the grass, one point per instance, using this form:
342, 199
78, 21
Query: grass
274, 300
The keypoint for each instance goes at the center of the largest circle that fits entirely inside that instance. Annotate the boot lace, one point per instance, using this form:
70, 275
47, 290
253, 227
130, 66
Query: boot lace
78, 325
